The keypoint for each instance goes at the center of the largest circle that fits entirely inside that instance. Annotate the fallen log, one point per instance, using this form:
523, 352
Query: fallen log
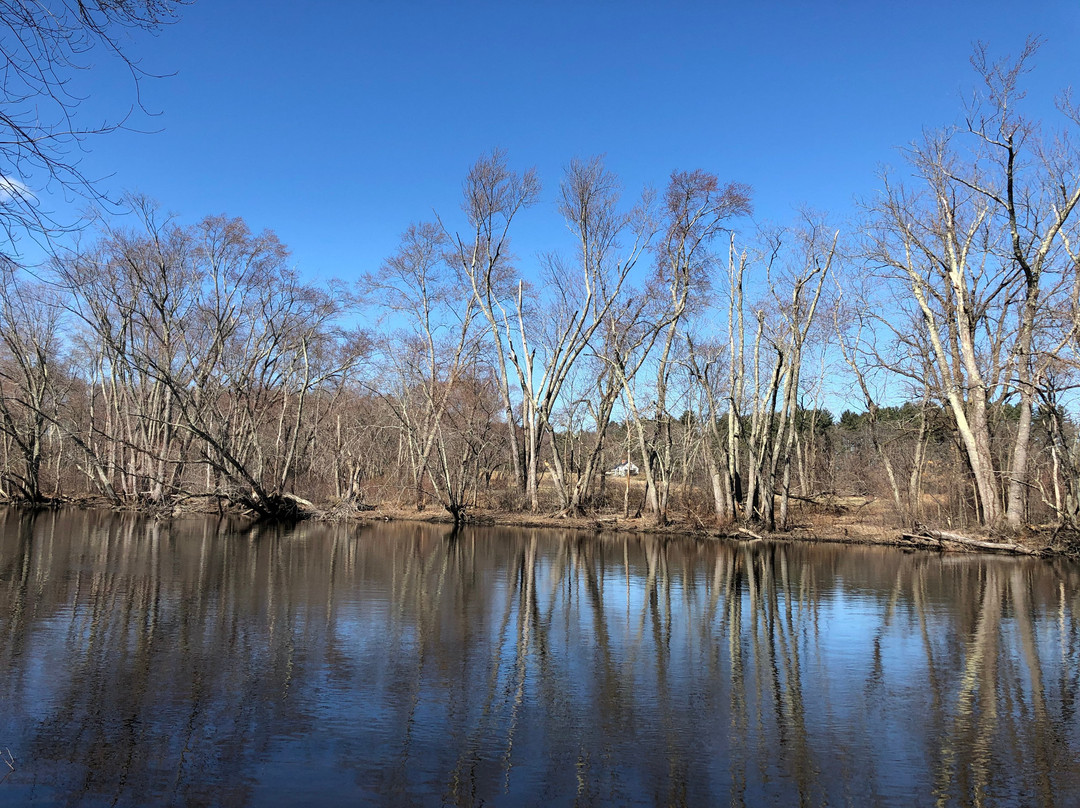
741, 534
926, 535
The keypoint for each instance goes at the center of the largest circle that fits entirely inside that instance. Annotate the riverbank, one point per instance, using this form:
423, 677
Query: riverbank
840, 527
851, 520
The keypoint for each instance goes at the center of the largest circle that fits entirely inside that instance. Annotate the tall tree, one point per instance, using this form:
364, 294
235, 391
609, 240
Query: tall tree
493, 196
695, 210
31, 370
578, 298
978, 242
206, 347
433, 344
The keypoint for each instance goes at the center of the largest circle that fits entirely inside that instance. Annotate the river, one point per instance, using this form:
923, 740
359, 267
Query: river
199, 662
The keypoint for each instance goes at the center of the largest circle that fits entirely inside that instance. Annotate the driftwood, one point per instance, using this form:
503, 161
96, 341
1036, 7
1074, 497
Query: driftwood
741, 534
945, 539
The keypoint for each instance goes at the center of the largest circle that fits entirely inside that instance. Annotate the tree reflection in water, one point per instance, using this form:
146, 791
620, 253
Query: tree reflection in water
194, 662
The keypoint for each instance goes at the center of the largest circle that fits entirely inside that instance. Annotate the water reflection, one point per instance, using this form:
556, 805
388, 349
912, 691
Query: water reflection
192, 663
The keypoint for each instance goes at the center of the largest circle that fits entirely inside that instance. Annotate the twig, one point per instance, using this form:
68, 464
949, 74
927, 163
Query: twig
7, 758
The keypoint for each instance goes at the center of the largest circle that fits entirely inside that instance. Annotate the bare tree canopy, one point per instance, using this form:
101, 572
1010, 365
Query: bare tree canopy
667, 337
980, 237
45, 43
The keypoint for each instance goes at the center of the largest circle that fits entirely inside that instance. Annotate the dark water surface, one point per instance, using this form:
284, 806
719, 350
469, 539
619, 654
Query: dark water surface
188, 663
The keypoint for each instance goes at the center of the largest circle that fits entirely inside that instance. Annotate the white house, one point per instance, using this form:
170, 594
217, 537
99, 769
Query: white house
626, 469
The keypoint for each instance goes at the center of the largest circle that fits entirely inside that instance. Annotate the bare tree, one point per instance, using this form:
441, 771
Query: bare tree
31, 371
434, 344
886, 354
695, 210
493, 196
206, 346
45, 44
539, 335
796, 276
706, 362
853, 329
593, 393
465, 433
579, 299
977, 246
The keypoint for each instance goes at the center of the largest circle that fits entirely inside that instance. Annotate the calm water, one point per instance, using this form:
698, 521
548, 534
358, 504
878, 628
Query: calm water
189, 663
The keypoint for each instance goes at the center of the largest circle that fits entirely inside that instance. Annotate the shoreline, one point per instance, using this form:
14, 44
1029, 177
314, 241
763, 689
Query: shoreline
839, 531
835, 528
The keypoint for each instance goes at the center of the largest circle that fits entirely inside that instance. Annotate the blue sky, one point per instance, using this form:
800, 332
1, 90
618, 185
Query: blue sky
336, 124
